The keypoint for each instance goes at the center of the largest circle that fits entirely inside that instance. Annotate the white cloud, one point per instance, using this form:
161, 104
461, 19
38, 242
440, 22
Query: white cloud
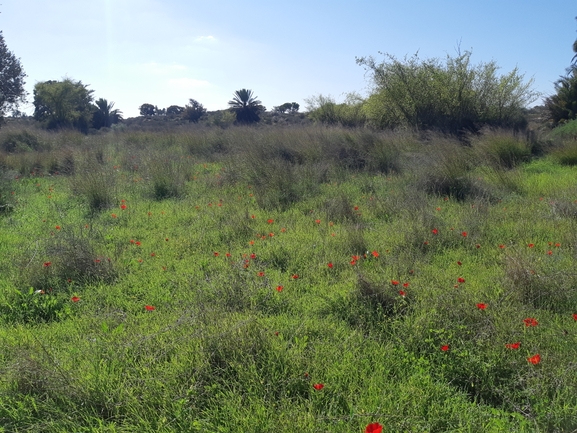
205, 39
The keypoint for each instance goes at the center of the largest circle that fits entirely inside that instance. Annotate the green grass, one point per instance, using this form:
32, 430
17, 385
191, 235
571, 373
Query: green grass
233, 253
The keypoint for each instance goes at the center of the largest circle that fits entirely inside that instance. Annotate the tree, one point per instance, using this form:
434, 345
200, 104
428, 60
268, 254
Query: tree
174, 110
290, 107
63, 104
193, 111
104, 116
12, 76
246, 107
147, 110
451, 96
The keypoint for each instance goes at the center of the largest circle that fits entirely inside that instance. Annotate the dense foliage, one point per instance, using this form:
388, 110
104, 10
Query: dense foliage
105, 115
246, 106
11, 79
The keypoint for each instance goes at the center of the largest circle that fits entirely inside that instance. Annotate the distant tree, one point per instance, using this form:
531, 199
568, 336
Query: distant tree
246, 107
174, 110
11, 80
63, 104
104, 115
147, 110
287, 107
160, 111
193, 111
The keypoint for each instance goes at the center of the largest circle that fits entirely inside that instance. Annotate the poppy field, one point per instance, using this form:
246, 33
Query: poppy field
300, 279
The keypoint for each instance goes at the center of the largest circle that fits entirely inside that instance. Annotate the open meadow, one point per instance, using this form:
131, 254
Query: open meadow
287, 279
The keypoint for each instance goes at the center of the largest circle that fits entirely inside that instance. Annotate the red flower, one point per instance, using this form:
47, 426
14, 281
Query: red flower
513, 346
575, 316
330, 265
149, 308
550, 252
435, 231
481, 306
227, 254
353, 262
529, 321
459, 263
402, 293
138, 243
260, 274
318, 221
535, 359
270, 235
122, 206
295, 277
445, 347
375, 254
57, 227
374, 428
460, 280
279, 288
531, 245
501, 246
216, 254
75, 299
318, 386
113, 215
464, 234
405, 285
46, 264
477, 246
270, 221
557, 244
356, 208
394, 282
253, 256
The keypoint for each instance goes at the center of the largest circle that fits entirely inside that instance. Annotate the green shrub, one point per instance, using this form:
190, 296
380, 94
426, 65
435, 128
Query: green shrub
34, 306
18, 142
502, 149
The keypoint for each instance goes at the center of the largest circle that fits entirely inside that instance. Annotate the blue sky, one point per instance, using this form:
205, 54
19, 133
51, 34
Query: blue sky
164, 52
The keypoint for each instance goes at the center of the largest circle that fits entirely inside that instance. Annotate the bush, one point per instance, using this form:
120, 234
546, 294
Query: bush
502, 149
22, 141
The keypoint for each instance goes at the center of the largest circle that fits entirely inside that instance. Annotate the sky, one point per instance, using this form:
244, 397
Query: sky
165, 52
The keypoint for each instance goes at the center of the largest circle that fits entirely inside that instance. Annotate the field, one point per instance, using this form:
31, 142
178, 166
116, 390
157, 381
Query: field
287, 279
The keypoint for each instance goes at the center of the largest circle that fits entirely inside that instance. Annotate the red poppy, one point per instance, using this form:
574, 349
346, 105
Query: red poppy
406, 284
283, 230
123, 206
353, 262
318, 221
529, 321
438, 208
270, 235
550, 252
270, 221
535, 359
295, 277
460, 280
318, 386
138, 243
227, 254
152, 254
46, 264
557, 244
75, 299
149, 308
279, 288
531, 245
402, 293
166, 239
113, 215
435, 231
459, 263
375, 254
481, 306
575, 316
57, 227
501, 246
260, 274
355, 258
216, 254
330, 265
445, 347
464, 234
251, 242
253, 256
513, 346
394, 282
374, 428
477, 246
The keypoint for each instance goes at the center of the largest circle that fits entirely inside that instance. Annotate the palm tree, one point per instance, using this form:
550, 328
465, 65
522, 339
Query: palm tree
246, 106
104, 115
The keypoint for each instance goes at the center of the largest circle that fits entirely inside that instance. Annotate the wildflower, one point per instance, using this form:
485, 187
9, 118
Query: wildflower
459, 263
113, 215
445, 348
481, 306
253, 256
464, 234
529, 321
531, 245
227, 254
356, 208
353, 262
557, 244
394, 282
535, 359
330, 265
283, 230
279, 288
374, 427
513, 346
260, 274
460, 280
152, 254
138, 243
435, 231
123, 206
270, 221
57, 227
75, 299
550, 252
575, 316
166, 239
405, 285
501, 246
318, 221
402, 293
46, 264
149, 308
375, 254
318, 386
295, 276
477, 246
216, 254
